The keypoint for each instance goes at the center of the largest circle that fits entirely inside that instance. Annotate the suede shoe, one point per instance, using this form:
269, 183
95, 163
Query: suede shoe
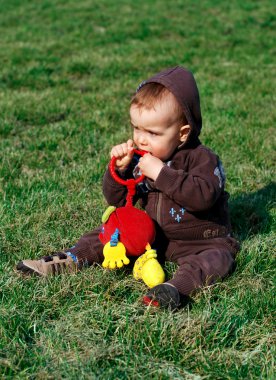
54, 264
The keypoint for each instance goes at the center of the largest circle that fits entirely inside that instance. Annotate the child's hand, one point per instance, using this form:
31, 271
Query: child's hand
150, 166
124, 152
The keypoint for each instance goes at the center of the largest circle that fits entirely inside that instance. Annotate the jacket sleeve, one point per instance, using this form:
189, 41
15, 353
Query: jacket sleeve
114, 193
198, 188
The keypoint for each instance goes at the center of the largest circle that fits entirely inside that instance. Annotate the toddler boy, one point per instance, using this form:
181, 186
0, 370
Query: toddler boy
183, 192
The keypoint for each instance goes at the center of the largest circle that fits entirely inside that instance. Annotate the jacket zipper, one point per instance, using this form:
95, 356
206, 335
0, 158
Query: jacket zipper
158, 208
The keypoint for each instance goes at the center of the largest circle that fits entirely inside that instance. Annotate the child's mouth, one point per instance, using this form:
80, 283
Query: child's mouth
142, 150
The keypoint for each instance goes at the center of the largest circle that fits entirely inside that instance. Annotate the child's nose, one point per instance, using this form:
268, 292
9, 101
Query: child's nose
142, 139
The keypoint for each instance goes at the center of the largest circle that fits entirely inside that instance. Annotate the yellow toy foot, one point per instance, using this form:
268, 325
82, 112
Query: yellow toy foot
148, 269
114, 256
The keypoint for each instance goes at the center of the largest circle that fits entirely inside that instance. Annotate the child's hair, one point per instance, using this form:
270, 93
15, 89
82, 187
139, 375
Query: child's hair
150, 94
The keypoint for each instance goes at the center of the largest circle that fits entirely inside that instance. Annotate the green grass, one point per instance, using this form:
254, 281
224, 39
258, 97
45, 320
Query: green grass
68, 69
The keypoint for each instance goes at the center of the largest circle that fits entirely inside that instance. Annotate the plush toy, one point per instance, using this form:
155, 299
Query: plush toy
127, 231
148, 269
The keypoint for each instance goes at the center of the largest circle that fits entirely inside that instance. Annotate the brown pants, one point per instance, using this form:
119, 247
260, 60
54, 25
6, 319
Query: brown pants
200, 262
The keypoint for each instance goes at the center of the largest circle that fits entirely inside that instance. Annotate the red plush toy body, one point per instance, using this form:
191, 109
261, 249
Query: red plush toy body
135, 229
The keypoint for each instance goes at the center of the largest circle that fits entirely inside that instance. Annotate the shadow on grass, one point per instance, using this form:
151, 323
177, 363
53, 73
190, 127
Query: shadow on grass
250, 212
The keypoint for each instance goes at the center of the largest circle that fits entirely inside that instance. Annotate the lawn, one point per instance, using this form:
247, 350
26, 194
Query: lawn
68, 69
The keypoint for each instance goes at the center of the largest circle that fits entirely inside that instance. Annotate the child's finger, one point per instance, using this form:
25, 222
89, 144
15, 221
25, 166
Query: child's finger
130, 148
130, 144
113, 152
119, 150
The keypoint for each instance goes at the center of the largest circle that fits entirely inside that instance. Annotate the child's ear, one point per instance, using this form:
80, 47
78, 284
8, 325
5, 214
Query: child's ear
184, 132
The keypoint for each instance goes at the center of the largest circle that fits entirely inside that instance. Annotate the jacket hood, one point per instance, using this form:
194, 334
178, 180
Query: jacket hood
182, 84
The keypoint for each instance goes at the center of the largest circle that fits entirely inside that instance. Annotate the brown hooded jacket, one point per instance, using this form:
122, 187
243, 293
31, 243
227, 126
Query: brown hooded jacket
188, 199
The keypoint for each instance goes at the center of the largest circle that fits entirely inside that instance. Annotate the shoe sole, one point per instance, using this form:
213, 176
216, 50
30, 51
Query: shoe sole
150, 302
27, 270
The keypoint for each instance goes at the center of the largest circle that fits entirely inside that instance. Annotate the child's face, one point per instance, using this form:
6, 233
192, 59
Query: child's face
156, 130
